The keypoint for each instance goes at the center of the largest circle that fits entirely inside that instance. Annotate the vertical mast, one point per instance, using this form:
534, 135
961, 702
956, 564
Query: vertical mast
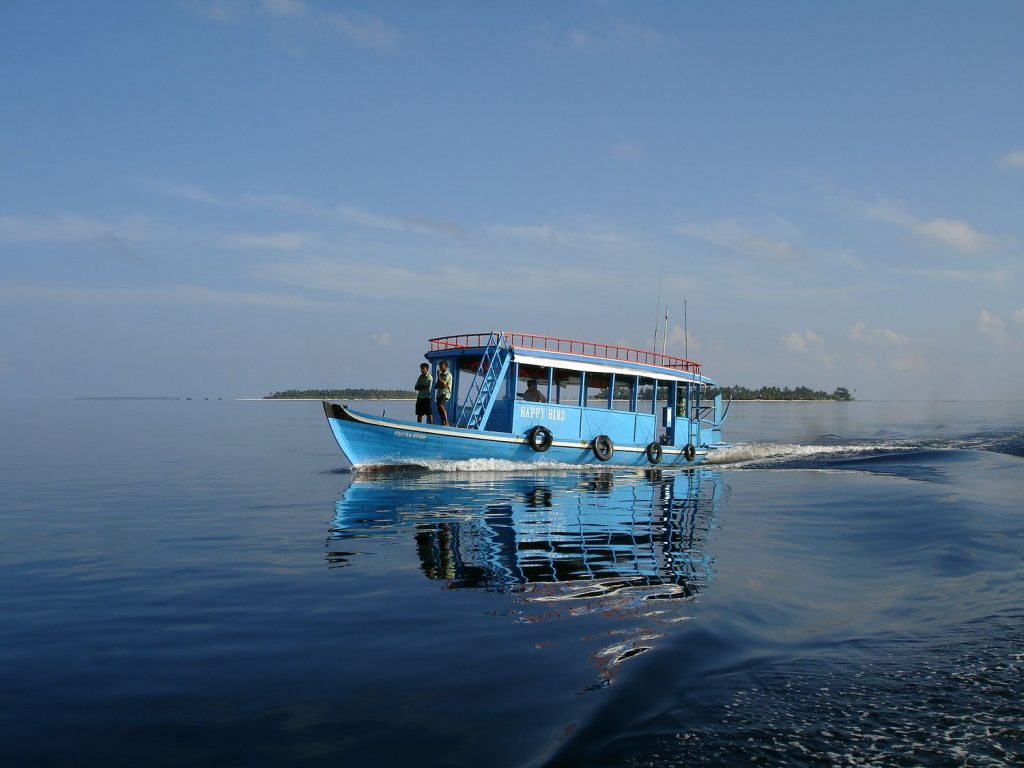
686, 334
657, 310
664, 338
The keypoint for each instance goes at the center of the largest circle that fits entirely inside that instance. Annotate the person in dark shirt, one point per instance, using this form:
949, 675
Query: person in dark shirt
423, 386
443, 391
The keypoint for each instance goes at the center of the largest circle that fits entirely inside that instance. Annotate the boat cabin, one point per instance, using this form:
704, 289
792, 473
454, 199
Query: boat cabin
510, 382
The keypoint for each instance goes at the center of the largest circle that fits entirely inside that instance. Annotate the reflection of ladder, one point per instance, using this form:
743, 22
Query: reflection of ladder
489, 374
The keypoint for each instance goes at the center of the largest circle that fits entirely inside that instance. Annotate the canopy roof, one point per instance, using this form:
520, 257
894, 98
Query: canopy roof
575, 354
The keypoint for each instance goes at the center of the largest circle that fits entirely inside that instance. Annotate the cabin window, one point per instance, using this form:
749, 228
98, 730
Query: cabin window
646, 401
625, 387
467, 368
683, 396
566, 387
538, 391
597, 387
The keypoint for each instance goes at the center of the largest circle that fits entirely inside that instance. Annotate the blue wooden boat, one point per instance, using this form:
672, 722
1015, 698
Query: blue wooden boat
541, 399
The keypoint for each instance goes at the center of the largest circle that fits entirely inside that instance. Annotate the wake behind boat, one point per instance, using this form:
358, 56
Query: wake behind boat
528, 398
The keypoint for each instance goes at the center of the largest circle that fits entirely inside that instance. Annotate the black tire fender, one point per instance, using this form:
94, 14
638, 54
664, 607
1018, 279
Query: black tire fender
689, 452
654, 453
603, 447
540, 438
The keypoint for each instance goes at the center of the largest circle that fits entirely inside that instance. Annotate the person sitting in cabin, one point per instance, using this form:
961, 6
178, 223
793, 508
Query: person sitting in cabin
443, 391
423, 386
532, 393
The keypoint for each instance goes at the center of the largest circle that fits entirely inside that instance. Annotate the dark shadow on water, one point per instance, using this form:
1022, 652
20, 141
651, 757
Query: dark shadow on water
592, 533
623, 544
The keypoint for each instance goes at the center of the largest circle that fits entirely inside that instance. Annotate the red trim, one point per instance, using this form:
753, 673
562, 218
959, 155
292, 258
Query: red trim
569, 346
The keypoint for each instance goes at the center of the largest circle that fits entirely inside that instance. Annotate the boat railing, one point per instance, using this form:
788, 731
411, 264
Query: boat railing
568, 346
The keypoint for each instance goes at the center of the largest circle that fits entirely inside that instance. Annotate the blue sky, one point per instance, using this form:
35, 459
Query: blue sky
224, 198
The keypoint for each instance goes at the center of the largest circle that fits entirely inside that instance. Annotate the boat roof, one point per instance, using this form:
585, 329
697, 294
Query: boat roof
574, 354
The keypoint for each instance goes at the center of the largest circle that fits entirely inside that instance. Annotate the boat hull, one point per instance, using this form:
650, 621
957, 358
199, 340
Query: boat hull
369, 441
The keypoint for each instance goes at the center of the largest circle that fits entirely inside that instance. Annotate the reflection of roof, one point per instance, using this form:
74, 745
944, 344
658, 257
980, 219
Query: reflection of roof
568, 347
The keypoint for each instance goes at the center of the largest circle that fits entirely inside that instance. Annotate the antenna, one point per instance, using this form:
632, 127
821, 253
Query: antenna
657, 310
664, 338
686, 334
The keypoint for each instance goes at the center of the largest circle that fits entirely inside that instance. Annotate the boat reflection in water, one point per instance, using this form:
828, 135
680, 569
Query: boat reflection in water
563, 543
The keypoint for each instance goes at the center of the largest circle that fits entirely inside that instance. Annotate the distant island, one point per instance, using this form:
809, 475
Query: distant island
343, 394
841, 394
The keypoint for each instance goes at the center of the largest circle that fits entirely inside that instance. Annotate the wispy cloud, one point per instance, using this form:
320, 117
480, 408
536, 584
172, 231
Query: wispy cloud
809, 343
995, 327
1013, 159
222, 11
746, 240
859, 331
552, 234
803, 341
615, 35
176, 294
955, 234
280, 241
72, 228
477, 282
305, 18
191, 192
996, 277
629, 150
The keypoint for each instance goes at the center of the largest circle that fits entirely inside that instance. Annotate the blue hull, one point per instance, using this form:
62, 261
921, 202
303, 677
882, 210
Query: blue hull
371, 441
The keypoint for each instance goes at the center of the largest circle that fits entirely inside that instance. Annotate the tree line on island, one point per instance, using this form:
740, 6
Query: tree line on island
736, 393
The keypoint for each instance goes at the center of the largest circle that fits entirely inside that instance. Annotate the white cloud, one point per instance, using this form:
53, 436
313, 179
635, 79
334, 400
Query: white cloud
803, 341
996, 328
1018, 316
860, 332
365, 31
954, 233
364, 218
682, 341
287, 204
1013, 159
382, 339
910, 362
990, 323
216, 10
281, 241
175, 294
617, 35
297, 16
777, 250
71, 228
629, 150
190, 192
554, 235
735, 236
997, 277
293, 8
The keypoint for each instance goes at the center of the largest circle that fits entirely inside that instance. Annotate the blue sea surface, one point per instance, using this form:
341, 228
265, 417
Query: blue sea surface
206, 583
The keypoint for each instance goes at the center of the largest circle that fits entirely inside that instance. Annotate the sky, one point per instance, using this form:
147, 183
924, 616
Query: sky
228, 198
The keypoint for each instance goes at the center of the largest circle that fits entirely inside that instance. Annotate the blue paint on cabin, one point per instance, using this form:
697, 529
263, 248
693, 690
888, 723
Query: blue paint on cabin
647, 406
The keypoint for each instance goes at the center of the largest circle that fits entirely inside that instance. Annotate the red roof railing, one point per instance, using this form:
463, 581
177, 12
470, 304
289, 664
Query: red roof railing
568, 346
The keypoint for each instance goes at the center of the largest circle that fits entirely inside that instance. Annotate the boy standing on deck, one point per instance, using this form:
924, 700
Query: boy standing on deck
443, 390
423, 386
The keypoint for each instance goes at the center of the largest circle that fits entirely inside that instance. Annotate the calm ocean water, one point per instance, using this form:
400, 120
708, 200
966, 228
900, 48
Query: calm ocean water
196, 583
